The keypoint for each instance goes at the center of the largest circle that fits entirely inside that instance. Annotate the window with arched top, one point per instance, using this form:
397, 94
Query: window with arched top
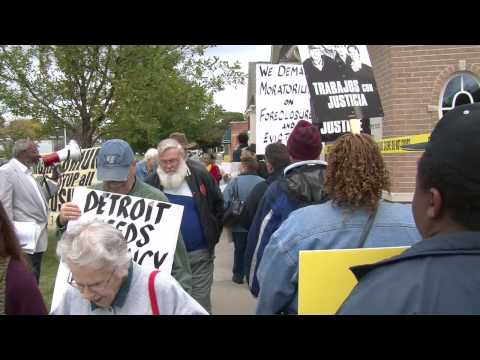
460, 89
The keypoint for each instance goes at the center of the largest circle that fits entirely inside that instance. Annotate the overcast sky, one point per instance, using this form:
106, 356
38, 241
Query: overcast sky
236, 99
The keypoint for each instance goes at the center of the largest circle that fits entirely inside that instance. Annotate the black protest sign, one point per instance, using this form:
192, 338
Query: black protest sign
342, 87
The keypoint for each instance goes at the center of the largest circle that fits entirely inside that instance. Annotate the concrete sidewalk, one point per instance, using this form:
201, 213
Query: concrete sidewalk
229, 298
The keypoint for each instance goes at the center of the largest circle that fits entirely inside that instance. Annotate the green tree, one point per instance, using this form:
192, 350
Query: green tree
139, 93
18, 129
168, 89
218, 122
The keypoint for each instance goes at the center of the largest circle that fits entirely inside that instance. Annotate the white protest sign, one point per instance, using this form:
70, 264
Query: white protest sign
282, 99
150, 228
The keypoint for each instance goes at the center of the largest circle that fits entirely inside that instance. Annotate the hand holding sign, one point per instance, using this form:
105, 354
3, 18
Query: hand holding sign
69, 211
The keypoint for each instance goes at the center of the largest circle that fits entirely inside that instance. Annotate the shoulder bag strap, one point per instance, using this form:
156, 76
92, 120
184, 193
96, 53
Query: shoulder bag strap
235, 189
152, 293
367, 227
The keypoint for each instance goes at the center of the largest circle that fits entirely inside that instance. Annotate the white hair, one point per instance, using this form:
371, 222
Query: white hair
173, 180
169, 144
94, 244
151, 154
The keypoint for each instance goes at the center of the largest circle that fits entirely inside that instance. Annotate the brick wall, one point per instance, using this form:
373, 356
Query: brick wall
410, 80
237, 128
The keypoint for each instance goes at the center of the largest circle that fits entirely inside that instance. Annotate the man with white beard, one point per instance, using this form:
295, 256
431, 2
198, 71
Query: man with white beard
195, 189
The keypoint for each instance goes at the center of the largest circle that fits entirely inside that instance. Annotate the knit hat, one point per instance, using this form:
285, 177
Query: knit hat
304, 142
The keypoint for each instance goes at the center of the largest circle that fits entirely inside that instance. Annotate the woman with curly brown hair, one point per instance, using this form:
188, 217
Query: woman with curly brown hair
354, 217
356, 173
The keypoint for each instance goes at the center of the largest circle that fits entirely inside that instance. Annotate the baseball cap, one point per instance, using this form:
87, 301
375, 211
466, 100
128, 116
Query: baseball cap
113, 160
459, 127
455, 140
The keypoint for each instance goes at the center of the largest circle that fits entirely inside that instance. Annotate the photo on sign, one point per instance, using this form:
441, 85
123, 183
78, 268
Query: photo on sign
342, 86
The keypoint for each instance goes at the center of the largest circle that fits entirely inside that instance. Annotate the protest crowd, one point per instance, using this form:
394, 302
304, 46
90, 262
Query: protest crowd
276, 207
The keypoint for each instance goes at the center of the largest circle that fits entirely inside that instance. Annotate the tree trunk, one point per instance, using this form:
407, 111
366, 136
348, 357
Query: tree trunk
86, 138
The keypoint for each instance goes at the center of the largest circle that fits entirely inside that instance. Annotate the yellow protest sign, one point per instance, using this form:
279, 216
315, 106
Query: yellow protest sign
75, 173
325, 279
393, 145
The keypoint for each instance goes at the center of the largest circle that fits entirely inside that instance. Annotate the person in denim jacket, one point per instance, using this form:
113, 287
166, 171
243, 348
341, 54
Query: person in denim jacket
355, 178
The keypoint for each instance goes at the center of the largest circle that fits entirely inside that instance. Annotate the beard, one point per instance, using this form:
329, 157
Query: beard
175, 179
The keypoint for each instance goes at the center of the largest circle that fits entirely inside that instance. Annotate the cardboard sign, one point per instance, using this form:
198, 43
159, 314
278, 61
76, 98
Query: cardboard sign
150, 229
75, 173
282, 99
325, 279
342, 87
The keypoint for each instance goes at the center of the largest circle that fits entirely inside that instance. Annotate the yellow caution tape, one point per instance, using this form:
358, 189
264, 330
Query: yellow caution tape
393, 145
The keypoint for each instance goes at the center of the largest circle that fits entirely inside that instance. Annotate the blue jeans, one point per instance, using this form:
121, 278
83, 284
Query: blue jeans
240, 244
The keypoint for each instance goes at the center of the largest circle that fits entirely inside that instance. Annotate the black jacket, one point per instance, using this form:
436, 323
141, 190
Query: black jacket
438, 275
238, 152
255, 196
208, 199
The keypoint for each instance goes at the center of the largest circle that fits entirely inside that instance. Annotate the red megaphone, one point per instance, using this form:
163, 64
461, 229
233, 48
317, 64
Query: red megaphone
71, 151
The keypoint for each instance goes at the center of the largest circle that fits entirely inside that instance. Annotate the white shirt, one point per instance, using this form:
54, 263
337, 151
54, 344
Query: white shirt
36, 186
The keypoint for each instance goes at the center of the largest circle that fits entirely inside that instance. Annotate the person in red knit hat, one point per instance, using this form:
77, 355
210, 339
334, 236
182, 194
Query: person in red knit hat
304, 143
300, 185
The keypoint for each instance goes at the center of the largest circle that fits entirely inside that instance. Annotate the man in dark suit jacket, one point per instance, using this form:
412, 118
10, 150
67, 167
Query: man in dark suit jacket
319, 69
364, 74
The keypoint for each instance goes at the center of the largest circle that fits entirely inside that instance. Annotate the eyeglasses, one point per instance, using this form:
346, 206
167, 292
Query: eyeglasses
99, 286
169, 161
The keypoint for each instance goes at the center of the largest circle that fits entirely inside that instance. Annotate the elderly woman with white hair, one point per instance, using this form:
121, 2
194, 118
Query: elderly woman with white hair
105, 281
147, 166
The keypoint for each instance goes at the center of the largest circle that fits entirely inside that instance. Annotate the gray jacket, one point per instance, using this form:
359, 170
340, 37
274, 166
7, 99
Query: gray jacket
133, 298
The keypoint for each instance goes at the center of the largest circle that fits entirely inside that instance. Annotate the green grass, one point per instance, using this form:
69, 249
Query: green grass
49, 269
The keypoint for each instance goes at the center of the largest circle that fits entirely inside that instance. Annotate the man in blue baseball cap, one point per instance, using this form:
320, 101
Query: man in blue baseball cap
116, 166
438, 275
114, 160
